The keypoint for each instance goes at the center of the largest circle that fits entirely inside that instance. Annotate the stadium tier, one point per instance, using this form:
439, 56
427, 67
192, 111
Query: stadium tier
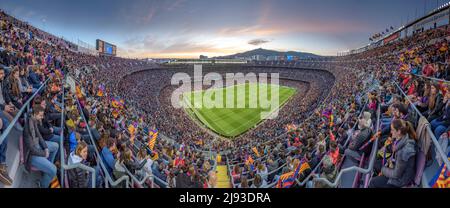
377, 117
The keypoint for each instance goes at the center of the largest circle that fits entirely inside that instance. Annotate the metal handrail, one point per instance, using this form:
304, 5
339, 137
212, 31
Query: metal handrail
136, 180
430, 132
431, 78
21, 111
356, 168
65, 166
99, 158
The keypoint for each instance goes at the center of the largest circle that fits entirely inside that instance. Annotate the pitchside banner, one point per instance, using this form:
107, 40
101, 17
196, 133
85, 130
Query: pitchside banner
391, 38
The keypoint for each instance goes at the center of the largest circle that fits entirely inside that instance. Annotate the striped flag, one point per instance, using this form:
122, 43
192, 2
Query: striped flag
255, 150
152, 142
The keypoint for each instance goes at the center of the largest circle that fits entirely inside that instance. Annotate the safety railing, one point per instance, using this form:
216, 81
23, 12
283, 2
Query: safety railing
24, 107
431, 78
64, 167
136, 180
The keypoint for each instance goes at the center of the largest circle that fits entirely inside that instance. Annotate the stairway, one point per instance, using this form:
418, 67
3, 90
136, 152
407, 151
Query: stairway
223, 179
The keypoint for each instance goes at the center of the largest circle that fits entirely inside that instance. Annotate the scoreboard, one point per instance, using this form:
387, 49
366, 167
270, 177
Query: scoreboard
105, 48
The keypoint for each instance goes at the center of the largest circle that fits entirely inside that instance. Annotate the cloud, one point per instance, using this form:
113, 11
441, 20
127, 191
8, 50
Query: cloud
176, 4
257, 42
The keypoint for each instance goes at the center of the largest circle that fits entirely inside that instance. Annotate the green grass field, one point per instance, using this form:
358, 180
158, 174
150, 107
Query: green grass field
232, 122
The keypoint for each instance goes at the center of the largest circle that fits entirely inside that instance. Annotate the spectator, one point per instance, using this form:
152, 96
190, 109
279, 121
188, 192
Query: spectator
107, 155
79, 178
39, 153
399, 171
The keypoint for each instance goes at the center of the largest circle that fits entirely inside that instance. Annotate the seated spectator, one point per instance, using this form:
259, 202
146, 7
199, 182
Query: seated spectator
261, 170
236, 174
39, 153
107, 155
13, 88
34, 78
399, 171
7, 109
160, 173
131, 164
244, 182
435, 103
258, 182
212, 180
79, 178
364, 133
143, 156
440, 124
329, 172
25, 87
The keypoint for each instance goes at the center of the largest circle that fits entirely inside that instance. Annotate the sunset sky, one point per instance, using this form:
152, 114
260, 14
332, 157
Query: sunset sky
189, 28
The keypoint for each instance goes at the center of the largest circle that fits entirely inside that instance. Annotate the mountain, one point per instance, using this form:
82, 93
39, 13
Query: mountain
266, 53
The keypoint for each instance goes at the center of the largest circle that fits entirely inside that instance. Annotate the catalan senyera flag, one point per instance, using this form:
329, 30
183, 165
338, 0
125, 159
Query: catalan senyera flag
152, 142
255, 150
55, 183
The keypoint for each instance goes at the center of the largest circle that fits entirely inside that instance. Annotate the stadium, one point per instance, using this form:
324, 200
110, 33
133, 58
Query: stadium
77, 116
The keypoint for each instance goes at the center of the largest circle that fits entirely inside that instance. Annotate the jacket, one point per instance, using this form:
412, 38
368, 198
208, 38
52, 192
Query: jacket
34, 79
78, 178
108, 159
360, 139
34, 144
44, 129
433, 113
14, 99
422, 134
134, 166
404, 169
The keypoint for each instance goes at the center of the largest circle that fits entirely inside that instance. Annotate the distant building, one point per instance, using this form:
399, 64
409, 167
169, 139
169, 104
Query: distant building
258, 58
272, 58
203, 57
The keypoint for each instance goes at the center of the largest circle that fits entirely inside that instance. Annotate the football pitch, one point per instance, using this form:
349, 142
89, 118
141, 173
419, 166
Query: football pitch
233, 120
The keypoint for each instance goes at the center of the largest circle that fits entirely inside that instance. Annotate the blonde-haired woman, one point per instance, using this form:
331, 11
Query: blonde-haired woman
79, 178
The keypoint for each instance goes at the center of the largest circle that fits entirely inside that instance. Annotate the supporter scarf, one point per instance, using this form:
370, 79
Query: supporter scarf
288, 179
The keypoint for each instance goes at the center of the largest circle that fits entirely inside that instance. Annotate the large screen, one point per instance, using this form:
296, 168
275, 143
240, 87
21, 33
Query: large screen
106, 48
